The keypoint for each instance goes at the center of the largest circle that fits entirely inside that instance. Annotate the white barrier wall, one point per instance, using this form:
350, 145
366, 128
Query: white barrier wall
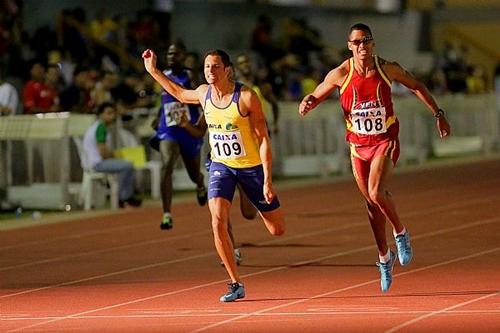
305, 146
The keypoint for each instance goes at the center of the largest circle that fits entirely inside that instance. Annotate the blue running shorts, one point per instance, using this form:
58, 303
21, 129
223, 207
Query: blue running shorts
223, 180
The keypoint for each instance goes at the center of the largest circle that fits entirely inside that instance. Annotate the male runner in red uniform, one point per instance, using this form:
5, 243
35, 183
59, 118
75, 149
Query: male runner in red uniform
364, 83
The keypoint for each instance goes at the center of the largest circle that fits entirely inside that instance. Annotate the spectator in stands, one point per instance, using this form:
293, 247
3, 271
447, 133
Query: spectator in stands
476, 80
33, 88
245, 74
144, 31
101, 92
9, 98
301, 39
50, 95
71, 34
148, 92
497, 85
291, 74
140, 88
41, 93
262, 40
66, 66
192, 63
100, 156
103, 27
77, 98
455, 70
438, 82
308, 81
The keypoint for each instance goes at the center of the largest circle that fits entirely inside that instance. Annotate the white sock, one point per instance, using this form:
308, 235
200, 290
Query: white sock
399, 233
385, 258
167, 214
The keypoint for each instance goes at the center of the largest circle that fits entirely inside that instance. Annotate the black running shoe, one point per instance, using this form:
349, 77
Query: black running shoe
166, 223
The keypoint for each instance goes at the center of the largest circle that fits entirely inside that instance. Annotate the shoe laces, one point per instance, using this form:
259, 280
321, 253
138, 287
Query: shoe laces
386, 267
403, 241
233, 286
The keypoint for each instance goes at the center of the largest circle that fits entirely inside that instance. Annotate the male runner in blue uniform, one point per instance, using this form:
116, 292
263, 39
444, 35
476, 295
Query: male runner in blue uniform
175, 140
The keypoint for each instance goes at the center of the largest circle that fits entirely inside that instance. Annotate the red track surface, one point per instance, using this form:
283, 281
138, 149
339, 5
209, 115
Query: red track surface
120, 273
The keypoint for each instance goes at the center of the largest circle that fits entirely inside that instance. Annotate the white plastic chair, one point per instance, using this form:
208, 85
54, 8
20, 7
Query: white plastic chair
90, 176
154, 168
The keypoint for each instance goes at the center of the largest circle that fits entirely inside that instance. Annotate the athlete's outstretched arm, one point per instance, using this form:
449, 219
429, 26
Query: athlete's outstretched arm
399, 74
332, 80
182, 94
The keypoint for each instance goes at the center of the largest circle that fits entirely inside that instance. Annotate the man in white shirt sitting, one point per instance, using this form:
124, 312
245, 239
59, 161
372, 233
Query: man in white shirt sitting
101, 158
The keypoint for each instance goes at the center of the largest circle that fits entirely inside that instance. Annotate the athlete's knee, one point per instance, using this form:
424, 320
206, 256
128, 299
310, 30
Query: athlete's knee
220, 220
167, 168
377, 196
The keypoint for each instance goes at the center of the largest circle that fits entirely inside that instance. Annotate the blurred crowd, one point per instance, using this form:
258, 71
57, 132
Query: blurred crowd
82, 62
78, 64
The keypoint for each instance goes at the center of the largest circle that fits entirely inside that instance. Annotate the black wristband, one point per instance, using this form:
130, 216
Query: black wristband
439, 114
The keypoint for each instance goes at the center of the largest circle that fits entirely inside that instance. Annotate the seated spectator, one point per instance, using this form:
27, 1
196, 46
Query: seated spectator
101, 92
32, 89
9, 98
476, 80
49, 101
77, 98
101, 158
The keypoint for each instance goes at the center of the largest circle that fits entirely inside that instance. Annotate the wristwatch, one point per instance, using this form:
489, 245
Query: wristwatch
439, 114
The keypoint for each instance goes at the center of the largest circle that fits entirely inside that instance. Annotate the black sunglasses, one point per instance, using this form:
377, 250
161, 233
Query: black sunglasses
364, 40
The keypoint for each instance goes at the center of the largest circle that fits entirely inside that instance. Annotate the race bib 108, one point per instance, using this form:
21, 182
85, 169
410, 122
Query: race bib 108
369, 121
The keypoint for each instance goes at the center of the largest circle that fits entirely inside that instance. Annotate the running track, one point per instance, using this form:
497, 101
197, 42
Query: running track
120, 273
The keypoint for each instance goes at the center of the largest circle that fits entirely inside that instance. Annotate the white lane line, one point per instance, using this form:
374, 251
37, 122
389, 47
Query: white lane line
336, 291
194, 257
278, 269
95, 277
108, 249
67, 237
420, 236
199, 233
217, 313
433, 313
305, 262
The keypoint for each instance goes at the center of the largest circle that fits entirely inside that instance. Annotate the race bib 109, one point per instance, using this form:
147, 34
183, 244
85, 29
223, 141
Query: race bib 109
227, 144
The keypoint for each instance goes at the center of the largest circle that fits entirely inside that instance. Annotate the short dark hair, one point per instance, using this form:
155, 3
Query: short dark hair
179, 45
103, 107
226, 60
362, 27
